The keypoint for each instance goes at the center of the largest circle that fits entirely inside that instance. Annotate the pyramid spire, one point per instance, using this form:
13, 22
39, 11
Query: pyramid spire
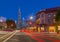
19, 18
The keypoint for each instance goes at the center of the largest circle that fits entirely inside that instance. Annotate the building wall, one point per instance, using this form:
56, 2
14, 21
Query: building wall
47, 18
50, 18
4, 25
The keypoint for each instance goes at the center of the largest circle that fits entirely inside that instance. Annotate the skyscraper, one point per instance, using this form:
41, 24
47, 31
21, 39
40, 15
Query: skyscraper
19, 19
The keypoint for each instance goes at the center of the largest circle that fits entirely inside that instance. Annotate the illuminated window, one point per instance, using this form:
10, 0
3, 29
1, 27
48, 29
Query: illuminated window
58, 27
42, 28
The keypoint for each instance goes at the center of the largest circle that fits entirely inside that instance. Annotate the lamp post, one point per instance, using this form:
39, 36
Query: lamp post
31, 26
31, 17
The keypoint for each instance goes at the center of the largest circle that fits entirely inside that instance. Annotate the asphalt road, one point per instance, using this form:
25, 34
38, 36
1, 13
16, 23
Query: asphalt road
2, 35
21, 37
32, 37
43, 37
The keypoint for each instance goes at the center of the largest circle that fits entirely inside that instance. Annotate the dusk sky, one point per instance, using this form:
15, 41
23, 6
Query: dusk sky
9, 8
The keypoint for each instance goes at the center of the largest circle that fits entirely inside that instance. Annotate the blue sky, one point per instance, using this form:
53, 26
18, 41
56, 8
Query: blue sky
9, 8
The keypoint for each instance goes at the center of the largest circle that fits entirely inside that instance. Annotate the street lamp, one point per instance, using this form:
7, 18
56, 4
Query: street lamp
31, 25
31, 17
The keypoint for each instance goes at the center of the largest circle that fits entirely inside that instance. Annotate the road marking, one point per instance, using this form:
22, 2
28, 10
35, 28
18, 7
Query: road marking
9, 37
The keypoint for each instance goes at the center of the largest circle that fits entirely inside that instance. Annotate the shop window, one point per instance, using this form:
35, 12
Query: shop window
51, 30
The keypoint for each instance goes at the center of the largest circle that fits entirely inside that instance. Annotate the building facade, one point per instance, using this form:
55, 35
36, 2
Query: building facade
46, 18
3, 24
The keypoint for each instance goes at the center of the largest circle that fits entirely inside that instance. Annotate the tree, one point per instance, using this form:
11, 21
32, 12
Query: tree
57, 20
11, 24
1, 27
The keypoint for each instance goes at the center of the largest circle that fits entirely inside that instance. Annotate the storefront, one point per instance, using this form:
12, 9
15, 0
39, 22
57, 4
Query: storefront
52, 29
58, 30
42, 29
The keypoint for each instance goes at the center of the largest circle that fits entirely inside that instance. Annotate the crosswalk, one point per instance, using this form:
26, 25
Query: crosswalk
6, 36
25, 37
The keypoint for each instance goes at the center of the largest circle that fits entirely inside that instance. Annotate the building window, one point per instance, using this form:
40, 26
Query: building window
42, 15
42, 21
49, 15
49, 21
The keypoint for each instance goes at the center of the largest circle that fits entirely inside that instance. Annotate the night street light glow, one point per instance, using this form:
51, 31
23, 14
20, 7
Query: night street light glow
31, 17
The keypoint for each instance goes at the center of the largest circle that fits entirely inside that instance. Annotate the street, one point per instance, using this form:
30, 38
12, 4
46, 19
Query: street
33, 37
21, 37
43, 37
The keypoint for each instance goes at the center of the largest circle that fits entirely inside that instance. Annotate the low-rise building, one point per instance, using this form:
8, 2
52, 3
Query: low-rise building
46, 18
3, 24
